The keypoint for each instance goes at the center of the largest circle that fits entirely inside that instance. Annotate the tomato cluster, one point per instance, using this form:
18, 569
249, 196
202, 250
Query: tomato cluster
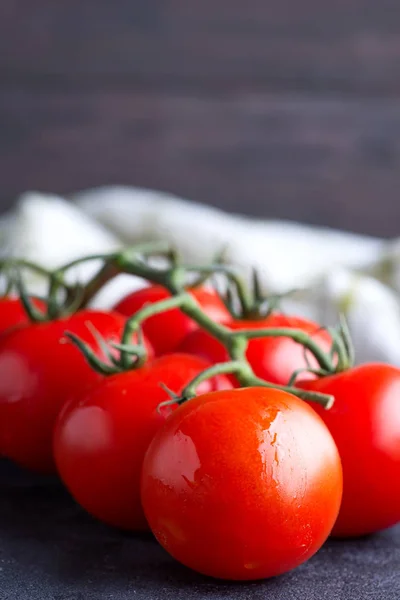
238, 482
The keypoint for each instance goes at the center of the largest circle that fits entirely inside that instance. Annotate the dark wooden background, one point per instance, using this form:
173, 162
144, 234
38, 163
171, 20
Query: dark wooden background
284, 109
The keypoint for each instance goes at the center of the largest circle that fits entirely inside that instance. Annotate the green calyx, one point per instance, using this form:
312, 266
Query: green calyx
64, 299
61, 300
14, 270
248, 302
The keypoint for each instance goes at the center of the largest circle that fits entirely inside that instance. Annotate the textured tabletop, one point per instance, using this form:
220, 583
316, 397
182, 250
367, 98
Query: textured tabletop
51, 550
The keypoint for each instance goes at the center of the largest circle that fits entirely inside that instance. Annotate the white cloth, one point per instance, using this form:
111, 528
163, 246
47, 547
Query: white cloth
335, 271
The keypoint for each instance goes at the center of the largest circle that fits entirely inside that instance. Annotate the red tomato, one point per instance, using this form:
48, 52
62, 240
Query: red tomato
242, 484
273, 359
365, 424
167, 330
39, 370
100, 441
12, 312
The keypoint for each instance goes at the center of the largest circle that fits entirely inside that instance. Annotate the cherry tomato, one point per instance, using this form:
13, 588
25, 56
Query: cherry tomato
273, 359
12, 312
100, 441
365, 423
39, 370
167, 330
242, 484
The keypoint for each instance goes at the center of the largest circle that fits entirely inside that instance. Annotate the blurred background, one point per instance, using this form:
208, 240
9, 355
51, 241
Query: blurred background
287, 109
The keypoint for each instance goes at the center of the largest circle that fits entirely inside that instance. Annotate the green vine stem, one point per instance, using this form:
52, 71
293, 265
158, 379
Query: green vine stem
168, 278
108, 270
12, 263
173, 278
11, 267
297, 335
133, 261
129, 254
105, 274
229, 338
347, 341
250, 303
236, 342
246, 377
64, 299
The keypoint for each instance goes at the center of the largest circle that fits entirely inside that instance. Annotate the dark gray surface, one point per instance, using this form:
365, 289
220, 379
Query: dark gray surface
280, 109
269, 155
314, 45
51, 550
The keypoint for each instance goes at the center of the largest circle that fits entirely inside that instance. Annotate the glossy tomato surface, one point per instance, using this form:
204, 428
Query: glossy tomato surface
273, 359
100, 441
242, 484
365, 423
12, 312
167, 330
39, 370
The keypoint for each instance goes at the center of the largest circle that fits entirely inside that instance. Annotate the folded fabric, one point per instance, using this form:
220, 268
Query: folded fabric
334, 271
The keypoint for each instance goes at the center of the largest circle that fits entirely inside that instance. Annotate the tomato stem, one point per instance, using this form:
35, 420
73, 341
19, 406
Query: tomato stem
105, 274
21, 263
174, 278
242, 301
236, 342
296, 335
225, 335
94, 361
133, 324
12, 268
347, 341
64, 299
246, 377
35, 315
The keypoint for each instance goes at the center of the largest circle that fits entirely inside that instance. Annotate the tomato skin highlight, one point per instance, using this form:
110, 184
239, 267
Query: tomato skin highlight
12, 312
242, 484
365, 423
100, 441
273, 359
40, 369
167, 330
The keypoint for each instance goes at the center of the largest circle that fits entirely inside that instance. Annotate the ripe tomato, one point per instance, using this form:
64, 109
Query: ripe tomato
242, 484
167, 330
273, 359
12, 312
100, 441
365, 424
39, 370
